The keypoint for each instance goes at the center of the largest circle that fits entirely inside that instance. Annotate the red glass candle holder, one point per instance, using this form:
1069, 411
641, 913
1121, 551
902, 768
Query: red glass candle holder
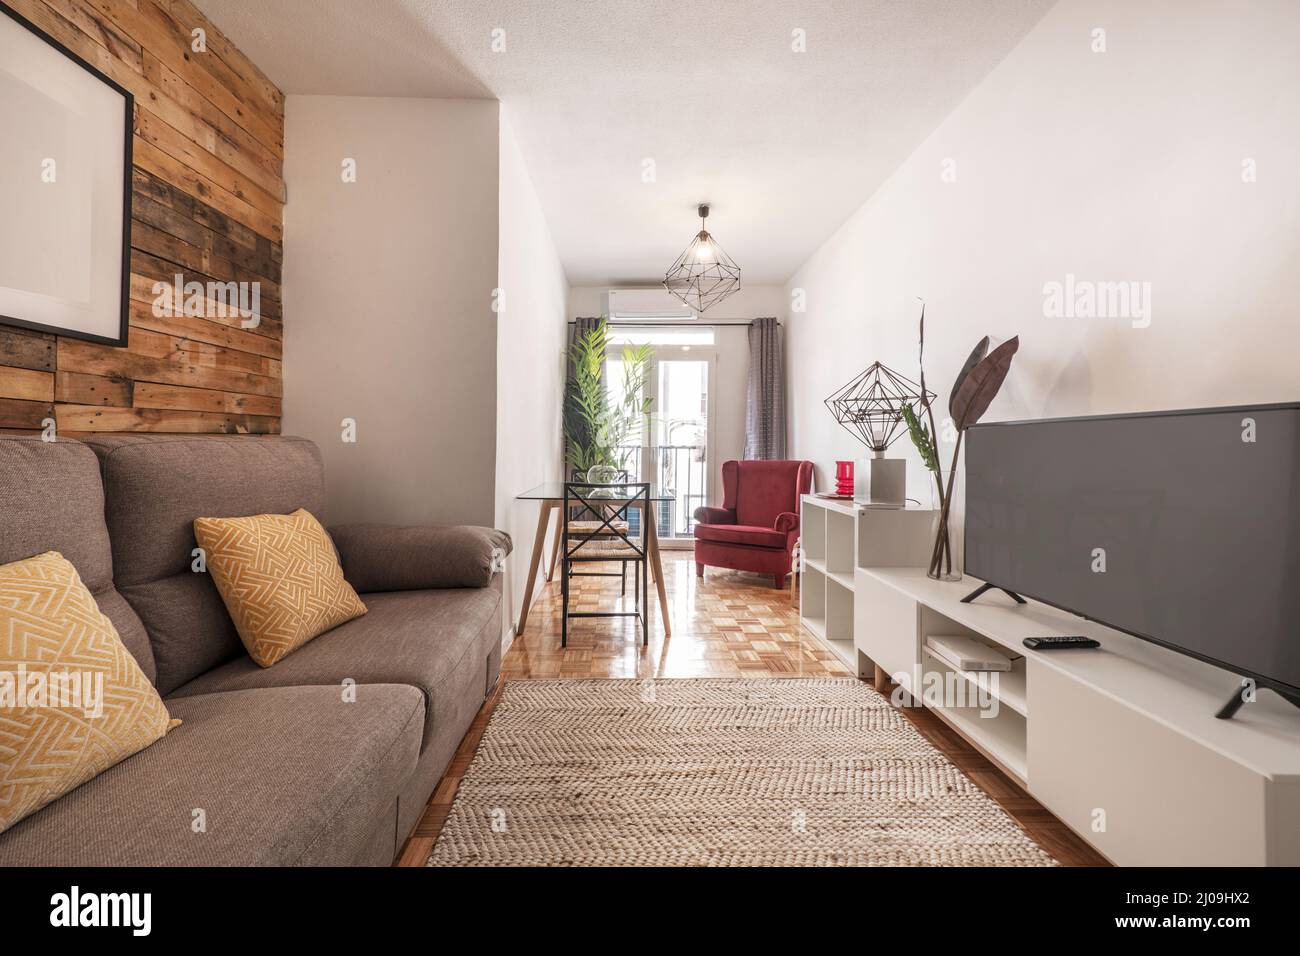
844, 477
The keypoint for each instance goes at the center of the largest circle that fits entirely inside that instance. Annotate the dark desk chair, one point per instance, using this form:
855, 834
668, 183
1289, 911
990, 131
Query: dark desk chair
604, 537
579, 525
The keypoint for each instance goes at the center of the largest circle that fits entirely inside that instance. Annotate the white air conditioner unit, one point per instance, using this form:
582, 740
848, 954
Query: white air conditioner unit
646, 305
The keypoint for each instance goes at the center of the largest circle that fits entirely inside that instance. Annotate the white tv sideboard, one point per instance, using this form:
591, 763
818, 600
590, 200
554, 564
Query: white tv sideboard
1121, 742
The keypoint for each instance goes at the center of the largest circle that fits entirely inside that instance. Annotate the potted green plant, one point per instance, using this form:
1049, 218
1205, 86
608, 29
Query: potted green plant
598, 424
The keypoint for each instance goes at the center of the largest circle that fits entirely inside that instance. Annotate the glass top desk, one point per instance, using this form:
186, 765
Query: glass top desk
551, 497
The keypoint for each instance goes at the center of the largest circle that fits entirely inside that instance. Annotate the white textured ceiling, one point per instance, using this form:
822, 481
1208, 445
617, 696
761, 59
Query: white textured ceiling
785, 145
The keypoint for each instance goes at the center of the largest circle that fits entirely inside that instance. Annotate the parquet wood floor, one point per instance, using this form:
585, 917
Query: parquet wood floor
730, 624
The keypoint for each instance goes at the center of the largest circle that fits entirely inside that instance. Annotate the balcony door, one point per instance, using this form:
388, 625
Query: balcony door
675, 451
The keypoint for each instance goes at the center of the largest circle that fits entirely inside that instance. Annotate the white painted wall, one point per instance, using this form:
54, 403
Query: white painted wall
1122, 165
530, 363
387, 294
732, 344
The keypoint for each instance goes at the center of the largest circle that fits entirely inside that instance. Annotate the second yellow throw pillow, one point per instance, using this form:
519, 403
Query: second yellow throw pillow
280, 579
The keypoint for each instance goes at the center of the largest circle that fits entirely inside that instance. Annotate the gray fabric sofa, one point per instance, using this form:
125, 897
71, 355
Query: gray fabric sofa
278, 766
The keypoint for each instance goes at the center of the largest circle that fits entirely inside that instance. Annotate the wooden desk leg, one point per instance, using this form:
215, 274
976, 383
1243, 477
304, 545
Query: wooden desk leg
539, 545
555, 548
652, 546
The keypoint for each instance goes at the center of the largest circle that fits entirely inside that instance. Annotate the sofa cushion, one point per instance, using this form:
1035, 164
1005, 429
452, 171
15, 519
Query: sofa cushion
154, 487
292, 776
93, 706
51, 499
407, 637
741, 534
188, 624
378, 557
280, 579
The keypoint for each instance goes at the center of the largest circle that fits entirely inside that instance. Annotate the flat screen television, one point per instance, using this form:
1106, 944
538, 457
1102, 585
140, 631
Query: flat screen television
1182, 528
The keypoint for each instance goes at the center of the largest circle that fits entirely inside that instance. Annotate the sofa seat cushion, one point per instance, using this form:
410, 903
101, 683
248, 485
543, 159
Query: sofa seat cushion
741, 534
407, 637
290, 776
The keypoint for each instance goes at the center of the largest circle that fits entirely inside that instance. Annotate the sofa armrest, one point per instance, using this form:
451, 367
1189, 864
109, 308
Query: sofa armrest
705, 515
787, 521
381, 557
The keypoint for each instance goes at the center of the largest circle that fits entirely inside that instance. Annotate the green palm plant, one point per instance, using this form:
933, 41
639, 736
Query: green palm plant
596, 423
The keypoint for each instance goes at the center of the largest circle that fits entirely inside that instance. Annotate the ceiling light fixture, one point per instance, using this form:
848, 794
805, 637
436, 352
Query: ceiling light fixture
703, 275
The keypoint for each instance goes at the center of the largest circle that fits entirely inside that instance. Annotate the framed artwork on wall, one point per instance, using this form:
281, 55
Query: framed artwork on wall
65, 189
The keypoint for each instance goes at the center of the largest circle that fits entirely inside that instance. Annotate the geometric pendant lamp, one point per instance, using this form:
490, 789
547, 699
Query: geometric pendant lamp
703, 275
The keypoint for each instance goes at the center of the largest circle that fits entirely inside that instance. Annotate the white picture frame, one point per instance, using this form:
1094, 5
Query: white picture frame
65, 186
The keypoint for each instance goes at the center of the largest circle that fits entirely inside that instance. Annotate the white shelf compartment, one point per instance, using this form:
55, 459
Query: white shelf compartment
843, 578
1000, 733
841, 535
839, 621
812, 599
812, 533
1003, 739
1007, 686
828, 528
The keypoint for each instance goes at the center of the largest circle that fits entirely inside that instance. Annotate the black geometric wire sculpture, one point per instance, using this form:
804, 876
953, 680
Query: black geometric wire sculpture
871, 406
703, 275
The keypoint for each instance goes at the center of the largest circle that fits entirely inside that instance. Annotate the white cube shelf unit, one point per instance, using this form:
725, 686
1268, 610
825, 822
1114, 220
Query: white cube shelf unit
827, 528
837, 536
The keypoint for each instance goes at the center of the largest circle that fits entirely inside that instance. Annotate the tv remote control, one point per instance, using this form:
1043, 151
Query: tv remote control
1056, 642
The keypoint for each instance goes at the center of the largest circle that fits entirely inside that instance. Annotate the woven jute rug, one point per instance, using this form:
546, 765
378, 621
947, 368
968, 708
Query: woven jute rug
772, 772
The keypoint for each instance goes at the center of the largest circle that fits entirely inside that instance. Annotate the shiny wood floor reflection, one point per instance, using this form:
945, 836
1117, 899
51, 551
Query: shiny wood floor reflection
729, 624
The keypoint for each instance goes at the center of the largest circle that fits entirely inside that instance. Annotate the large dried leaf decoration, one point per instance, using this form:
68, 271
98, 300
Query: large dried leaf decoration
971, 398
976, 356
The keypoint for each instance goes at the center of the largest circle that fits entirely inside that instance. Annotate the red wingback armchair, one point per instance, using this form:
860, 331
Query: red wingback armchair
758, 524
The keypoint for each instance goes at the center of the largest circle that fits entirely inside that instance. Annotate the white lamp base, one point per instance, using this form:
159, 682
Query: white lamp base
881, 482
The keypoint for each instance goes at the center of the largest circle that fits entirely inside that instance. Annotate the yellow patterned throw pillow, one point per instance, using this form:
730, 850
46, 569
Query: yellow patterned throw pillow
280, 579
73, 701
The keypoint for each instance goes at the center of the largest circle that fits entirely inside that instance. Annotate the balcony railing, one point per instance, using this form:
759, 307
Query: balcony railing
678, 470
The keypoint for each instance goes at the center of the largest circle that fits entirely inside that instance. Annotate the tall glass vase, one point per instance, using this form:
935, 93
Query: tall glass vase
943, 562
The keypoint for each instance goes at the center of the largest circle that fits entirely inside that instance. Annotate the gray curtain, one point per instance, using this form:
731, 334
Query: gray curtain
765, 400
580, 327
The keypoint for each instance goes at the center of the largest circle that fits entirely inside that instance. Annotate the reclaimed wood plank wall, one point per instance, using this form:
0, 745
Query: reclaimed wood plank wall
207, 203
